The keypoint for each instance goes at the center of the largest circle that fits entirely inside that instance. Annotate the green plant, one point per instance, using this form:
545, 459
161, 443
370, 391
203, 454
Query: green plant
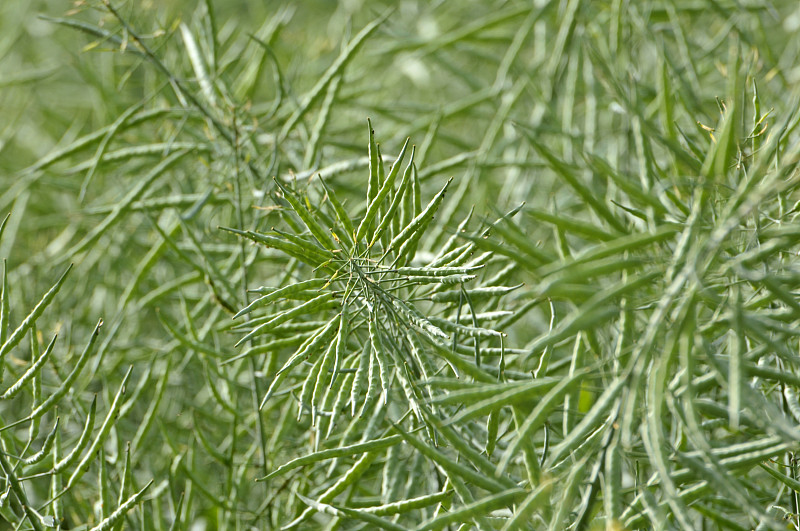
617, 352
369, 356
31, 475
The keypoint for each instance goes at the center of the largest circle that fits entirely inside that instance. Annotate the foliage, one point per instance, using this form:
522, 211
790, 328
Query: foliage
553, 288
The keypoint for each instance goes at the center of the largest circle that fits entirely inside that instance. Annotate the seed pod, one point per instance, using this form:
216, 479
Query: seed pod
341, 213
321, 301
475, 294
339, 403
390, 218
32, 371
306, 350
381, 357
322, 235
61, 464
360, 380
325, 366
375, 203
417, 225
280, 293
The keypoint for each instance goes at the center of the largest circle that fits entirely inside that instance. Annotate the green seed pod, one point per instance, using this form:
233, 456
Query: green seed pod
386, 187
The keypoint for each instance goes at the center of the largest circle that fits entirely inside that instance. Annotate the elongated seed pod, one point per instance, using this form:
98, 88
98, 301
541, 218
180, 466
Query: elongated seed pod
324, 414
272, 346
475, 509
47, 445
61, 464
66, 385
30, 319
342, 451
3, 225
361, 378
280, 293
32, 371
416, 192
348, 478
122, 510
422, 219
476, 294
374, 181
405, 506
341, 512
373, 380
454, 255
452, 242
438, 271
470, 394
392, 471
409, 389
446, 280
408, 248
381, 357
338, 208
340, 403
469, 331
341, 339
459, 256
386, 187
381, 171
464, 448
323, 300
127, 476
325, 372
310, 254
419, 320
307, 390
105, 428
305, 351
492, 424
452, 466
56, 483
308, 219
407, 205
389, 218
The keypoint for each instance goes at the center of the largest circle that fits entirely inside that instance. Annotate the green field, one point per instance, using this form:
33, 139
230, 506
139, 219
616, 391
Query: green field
400, 265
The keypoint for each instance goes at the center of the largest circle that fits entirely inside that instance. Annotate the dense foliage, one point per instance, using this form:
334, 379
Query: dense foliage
549, 283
